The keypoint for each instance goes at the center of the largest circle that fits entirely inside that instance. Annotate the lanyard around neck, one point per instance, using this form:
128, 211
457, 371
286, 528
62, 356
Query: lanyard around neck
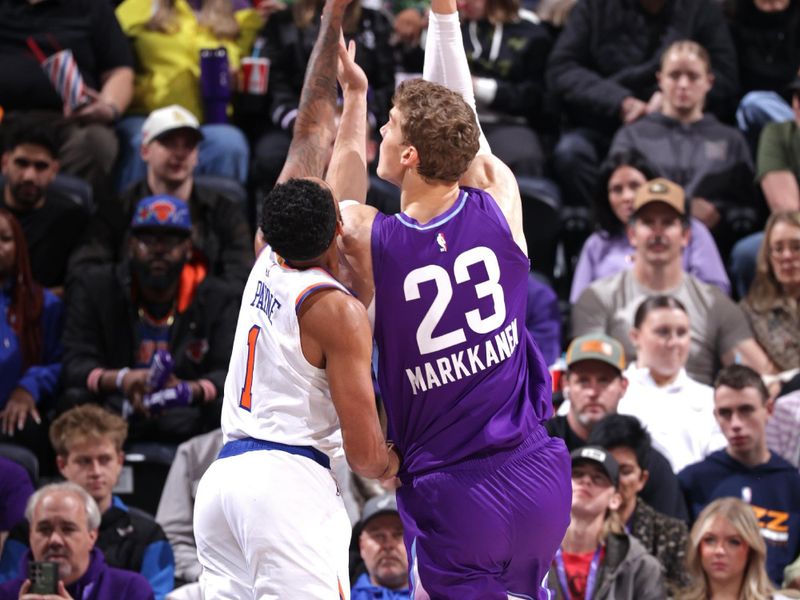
590, 580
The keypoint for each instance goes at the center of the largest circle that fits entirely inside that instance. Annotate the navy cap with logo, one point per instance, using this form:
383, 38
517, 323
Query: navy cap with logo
162, 212
598, 456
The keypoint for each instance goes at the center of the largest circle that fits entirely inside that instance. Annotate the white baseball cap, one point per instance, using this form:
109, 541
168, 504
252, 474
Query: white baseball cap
166, 119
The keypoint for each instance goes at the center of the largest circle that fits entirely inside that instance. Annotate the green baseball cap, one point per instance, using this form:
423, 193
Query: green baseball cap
596, 346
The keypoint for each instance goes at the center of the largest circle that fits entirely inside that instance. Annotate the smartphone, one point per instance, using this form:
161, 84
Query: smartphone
43, 576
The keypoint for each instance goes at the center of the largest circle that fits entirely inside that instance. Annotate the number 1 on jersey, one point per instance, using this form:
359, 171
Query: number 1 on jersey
246, 399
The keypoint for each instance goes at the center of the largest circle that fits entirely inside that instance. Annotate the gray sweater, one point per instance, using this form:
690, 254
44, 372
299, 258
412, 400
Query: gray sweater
709, 159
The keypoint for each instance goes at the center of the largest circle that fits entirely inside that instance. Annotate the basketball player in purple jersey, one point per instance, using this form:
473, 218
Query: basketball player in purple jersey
486, 493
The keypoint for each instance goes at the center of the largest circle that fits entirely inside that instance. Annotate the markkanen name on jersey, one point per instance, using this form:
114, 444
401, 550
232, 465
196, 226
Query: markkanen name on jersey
464, 363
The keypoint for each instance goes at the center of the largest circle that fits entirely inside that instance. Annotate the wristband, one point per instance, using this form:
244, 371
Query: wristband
120, 376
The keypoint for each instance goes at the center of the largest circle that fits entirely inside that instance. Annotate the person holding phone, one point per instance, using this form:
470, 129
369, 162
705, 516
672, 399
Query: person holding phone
64, 521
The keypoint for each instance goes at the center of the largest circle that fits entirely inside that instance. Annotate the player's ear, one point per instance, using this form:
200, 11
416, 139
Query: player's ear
409, 157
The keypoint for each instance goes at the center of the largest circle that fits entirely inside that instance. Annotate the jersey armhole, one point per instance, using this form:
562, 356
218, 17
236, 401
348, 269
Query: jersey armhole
316, 287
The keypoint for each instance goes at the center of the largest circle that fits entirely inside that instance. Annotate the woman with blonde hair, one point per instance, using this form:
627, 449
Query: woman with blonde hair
726, 555
771, 305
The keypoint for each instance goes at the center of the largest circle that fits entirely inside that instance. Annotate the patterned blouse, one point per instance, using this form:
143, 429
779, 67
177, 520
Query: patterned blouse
777, 330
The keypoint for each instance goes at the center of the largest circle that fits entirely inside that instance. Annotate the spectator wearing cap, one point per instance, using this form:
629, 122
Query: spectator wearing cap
598, 558
53, 224
747, 469
221, 237
676, 409
659, 231
664, 537
120, 316
380, 542
167, 39
594, 384
778, 173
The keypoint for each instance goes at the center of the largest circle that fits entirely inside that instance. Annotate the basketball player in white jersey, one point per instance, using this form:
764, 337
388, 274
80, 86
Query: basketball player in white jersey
269, 520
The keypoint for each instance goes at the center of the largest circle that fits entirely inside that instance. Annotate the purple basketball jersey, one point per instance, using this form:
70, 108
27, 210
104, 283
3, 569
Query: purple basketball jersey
460, 375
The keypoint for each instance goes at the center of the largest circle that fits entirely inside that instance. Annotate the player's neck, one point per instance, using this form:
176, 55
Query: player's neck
423, 200
583, 533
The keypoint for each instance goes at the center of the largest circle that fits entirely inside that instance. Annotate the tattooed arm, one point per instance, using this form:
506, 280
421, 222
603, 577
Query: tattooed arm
315, 127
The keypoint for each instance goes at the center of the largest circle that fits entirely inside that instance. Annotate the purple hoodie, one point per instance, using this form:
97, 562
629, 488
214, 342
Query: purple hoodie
99, 582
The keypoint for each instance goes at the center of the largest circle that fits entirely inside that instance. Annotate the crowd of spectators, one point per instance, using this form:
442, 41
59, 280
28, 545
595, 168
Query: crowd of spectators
137, 138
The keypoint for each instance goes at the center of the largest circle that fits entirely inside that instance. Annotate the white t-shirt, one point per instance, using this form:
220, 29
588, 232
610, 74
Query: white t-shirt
679, 416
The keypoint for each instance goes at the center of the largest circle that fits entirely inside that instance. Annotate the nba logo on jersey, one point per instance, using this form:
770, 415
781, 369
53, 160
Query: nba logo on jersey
441, 241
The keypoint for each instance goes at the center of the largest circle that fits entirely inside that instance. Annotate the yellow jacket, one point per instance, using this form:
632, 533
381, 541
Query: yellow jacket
168, 64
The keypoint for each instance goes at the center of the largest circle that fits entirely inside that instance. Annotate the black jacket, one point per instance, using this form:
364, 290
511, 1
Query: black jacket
516, 62
289, 50
101, 328
768, 45
219, 232
611, 49
662, 490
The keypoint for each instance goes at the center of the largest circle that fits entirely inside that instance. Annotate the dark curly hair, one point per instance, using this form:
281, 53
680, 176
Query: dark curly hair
32, 129
625, 431
607, 221
298, 219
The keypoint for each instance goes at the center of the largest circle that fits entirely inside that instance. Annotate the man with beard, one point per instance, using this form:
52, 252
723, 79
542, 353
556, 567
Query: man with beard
152, 304
380, 542
220, 234
659, 231
64, 521
52, 223
593, 386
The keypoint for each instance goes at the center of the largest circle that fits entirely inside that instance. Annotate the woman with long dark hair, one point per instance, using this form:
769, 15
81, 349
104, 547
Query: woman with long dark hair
608, 251
30, 340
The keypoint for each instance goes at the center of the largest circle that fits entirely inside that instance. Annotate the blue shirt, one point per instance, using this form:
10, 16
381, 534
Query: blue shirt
39, 380
365, 590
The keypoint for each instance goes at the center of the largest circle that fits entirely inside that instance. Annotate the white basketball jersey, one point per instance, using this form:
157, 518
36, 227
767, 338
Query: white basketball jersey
272, 393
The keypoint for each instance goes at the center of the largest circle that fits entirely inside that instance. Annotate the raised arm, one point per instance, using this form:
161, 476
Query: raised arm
446, 64
347, 172
315, 128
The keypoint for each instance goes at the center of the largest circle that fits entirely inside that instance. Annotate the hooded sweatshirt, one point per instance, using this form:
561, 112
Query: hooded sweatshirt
627, 572
772, 489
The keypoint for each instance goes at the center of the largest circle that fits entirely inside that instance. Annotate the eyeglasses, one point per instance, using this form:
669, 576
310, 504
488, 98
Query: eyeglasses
779, 248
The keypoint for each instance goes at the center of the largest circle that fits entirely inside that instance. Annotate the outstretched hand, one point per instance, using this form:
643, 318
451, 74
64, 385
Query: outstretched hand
350, 76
